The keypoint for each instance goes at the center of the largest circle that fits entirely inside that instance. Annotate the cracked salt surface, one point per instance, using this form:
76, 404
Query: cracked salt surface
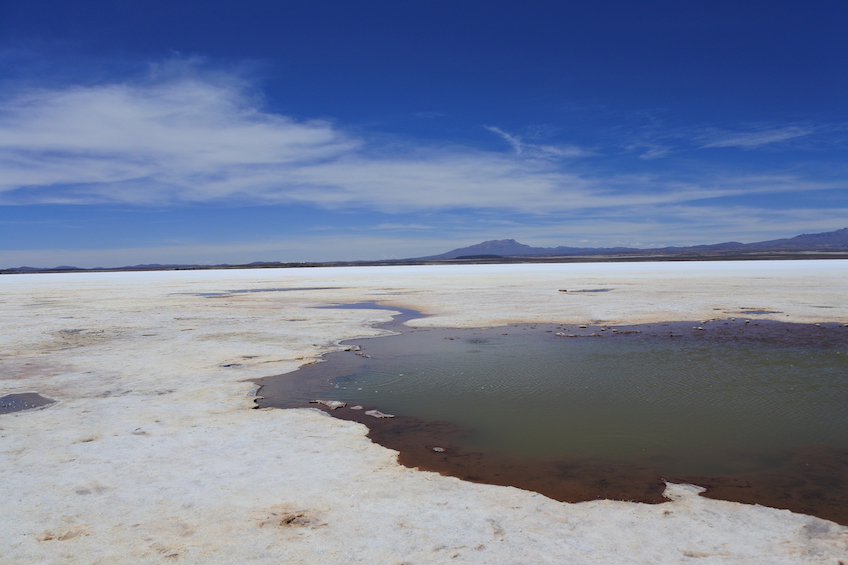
173, 464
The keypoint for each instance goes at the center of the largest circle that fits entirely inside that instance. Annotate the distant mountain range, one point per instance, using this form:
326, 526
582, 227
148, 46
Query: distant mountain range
154, 267
833, 244
827, 241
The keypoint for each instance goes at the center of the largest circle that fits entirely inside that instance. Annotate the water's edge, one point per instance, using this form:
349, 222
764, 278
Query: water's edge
812, 480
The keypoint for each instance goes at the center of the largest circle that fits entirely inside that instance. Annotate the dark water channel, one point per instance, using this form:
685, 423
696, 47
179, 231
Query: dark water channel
756, 411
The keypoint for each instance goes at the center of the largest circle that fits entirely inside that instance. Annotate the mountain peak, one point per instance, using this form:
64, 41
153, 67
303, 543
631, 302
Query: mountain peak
826, 241
505, 247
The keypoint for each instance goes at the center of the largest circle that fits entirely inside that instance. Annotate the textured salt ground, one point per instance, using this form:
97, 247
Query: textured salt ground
153, 452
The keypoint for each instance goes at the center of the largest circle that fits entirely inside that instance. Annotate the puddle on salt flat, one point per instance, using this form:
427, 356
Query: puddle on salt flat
23, 401
229, 293
730, 399
700, 408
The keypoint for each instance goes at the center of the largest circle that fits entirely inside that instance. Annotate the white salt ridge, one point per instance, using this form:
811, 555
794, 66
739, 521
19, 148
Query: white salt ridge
153, 453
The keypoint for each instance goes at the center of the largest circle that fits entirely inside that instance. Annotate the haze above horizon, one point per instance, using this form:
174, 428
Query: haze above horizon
222, 132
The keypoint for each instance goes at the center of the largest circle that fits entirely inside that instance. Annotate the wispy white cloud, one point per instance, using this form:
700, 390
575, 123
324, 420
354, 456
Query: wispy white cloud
184, 137
396, 226
753, 139
330, 247
650, 151
189, 139
514, 141
660, 141
539, 150
651, 226
647, 226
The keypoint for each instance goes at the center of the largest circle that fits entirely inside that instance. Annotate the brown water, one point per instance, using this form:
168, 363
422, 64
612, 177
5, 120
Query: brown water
600, 413
703, 408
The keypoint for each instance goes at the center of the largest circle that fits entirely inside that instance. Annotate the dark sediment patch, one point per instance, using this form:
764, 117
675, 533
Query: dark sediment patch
431, 446
809, 479
588, 290
23, 401
813, 481
758, 312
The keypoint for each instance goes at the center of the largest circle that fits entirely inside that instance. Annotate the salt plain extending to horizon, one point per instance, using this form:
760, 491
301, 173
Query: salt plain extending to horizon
153, 451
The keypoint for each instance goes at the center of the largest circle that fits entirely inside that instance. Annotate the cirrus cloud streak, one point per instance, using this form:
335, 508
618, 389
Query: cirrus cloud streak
191, 139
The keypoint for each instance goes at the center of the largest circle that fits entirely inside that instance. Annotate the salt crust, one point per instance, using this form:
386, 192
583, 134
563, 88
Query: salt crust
154, 455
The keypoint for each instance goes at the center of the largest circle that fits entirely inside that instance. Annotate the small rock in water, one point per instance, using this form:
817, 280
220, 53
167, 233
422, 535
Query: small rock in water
438, 449
331, 404
378, 414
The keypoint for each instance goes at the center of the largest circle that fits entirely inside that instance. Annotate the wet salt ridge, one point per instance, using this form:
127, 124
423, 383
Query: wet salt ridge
752, 409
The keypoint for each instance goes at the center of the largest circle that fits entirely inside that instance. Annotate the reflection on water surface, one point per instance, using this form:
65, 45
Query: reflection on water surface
755, 410
699, 407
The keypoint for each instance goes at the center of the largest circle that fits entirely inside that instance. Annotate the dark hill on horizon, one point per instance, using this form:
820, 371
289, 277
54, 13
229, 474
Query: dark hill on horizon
826, 241
826, 245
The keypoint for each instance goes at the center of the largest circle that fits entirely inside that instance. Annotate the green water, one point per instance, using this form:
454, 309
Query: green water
689, 407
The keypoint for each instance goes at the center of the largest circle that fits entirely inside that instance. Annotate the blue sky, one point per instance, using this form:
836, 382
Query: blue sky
147, 131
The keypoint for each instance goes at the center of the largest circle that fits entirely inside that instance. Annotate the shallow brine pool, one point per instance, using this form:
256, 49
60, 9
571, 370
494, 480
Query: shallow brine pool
690, 406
